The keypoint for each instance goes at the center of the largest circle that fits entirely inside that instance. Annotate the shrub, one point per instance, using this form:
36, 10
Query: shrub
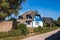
35, 29
23, 29
11, 33
46, 25
38, 29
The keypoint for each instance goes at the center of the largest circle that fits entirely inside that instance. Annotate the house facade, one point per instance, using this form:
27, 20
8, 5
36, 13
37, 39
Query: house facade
31, 19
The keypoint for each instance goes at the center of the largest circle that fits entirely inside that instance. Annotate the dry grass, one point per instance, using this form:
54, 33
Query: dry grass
13, 38
30, 30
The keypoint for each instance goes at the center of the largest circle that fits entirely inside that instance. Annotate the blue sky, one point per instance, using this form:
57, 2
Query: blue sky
46, 8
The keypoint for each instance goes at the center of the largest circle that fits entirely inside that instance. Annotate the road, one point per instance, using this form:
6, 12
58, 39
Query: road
53, 35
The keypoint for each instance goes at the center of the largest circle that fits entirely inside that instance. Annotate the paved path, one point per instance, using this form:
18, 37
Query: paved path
42, 36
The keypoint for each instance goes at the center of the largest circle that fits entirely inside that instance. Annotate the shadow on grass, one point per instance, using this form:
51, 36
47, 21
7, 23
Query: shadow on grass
55, 36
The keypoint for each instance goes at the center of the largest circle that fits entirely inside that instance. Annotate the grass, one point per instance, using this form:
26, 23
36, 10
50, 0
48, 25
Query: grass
47, 29
10, 38
14, 36
12, 33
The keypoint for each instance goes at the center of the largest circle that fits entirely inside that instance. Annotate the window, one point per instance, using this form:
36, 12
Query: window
20, 17
37, 18
28, 16
28, 22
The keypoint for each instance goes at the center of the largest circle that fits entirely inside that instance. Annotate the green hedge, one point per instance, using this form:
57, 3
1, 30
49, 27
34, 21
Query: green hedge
23, 29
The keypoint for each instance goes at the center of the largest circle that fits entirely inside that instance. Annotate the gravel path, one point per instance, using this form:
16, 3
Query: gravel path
43, 36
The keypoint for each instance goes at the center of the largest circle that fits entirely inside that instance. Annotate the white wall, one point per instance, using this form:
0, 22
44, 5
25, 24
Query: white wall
29, 25
33, 24
40, 24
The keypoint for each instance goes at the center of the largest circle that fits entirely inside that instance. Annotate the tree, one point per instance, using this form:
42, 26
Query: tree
8, 7
12, 19
58, 21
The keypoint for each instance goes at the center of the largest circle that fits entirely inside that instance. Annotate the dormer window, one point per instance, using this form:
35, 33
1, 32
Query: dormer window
20, 17
28, 16
37, 18
28, 22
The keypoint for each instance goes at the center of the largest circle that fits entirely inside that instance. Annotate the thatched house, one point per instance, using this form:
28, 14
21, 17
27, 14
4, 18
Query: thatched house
48, 20
31, 19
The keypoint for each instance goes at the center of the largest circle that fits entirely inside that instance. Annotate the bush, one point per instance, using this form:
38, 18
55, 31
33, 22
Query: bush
35, 29
38, 29
44, 29
11, 33
23, 29
46, 25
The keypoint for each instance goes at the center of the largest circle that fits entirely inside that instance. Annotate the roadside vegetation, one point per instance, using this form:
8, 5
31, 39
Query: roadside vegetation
20, 31
40, 30
16, 34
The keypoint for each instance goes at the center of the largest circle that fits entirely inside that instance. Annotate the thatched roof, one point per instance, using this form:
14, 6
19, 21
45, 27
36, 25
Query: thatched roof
48, 20
32, 13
